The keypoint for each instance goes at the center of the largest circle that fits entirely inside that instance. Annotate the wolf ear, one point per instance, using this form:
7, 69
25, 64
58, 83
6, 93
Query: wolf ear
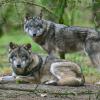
28, 46
41, 14
12, 45
28, 16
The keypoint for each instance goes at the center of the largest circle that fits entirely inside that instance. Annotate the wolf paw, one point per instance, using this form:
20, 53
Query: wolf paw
1, 80
51, 82
21, 79
97, 83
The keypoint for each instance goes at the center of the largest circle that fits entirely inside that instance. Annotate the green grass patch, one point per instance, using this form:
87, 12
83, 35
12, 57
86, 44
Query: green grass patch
19, 38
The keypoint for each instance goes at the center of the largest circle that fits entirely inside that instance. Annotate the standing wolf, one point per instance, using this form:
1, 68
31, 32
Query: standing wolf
63, 39
30, 67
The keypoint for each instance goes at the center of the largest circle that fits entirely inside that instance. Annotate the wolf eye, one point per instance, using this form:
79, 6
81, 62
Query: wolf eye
26, 26
13, 56
40, 26
24, 57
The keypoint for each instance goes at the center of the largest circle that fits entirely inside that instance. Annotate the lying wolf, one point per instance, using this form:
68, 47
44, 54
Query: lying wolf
30, 67
63, 39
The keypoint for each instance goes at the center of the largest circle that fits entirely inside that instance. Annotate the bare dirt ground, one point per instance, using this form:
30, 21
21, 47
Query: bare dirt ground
44, 92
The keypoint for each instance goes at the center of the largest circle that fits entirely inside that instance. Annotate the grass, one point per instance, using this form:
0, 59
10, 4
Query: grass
19, 37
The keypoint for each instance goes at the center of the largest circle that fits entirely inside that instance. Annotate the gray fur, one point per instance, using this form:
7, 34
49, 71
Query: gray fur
64, 39
37, 69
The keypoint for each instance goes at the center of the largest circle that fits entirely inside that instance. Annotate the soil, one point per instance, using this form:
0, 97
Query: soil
13, 91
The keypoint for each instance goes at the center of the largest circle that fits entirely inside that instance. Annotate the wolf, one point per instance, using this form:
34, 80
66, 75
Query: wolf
61, 39
31, 67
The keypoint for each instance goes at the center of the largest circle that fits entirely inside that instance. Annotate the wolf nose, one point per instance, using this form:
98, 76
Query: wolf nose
34, 34
19, 66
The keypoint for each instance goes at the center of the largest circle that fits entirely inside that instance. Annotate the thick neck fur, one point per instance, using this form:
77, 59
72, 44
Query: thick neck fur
40, 39
35, 61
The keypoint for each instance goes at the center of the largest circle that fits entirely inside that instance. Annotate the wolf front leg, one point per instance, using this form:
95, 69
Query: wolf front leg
7, 79
27, 79
92, 48
66, 73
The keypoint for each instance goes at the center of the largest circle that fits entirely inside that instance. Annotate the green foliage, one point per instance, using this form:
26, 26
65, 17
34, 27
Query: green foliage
69, 12
96, 13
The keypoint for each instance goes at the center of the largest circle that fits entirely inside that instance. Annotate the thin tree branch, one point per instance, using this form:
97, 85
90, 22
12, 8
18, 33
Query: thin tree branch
27, 2
61, 21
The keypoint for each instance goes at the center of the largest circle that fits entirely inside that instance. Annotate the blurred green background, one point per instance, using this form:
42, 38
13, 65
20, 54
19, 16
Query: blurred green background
85, 13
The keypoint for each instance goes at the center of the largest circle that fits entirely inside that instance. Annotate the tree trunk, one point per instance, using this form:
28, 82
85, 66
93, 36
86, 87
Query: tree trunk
96, 13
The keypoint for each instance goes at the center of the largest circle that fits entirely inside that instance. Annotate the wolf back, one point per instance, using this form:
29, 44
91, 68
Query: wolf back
61, 39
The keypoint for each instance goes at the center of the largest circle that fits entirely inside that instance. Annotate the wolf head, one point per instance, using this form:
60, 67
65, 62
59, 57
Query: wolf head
34, 26
19, 56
